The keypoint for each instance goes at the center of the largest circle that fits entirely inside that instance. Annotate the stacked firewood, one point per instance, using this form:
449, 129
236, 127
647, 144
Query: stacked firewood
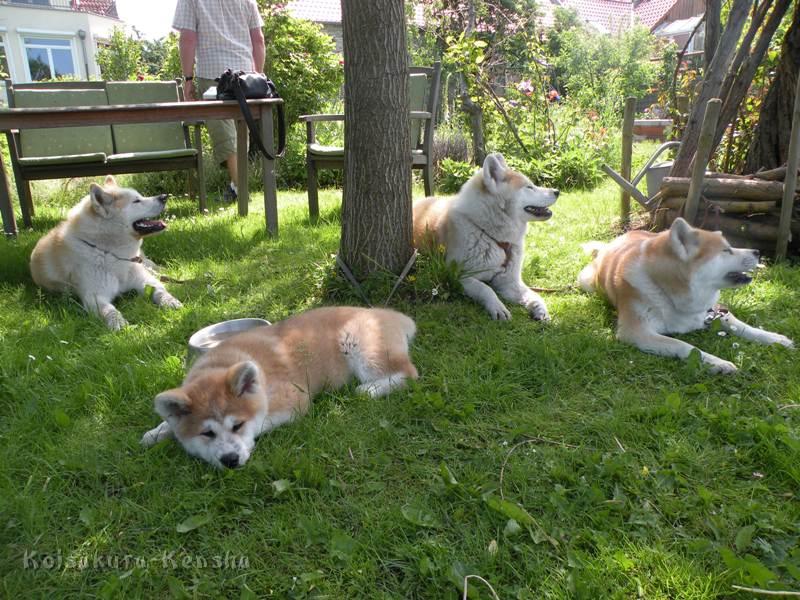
746, 208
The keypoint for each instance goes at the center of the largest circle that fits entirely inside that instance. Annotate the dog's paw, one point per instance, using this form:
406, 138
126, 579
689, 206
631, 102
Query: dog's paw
170, 302
155, 435
114, 320
498, 310
722, 367
784, 341
538, 311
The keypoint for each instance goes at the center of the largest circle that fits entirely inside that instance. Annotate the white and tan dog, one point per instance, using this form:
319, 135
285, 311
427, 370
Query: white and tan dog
483, 229
267, 376
670, 283
97, 252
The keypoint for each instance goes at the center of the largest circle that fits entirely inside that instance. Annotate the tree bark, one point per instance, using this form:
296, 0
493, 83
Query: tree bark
770, 145
376, 209
713, 9
712, 84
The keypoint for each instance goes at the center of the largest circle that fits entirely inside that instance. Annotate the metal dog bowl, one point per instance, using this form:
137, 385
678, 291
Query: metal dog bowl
209, 337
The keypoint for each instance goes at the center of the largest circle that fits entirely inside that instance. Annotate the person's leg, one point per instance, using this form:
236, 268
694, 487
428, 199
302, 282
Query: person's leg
223, 144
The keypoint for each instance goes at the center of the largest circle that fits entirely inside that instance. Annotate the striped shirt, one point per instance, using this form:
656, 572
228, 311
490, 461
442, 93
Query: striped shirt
223, 33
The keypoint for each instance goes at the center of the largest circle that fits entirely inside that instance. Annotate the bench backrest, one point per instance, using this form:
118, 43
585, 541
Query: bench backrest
145, 137
64, 140
117, 139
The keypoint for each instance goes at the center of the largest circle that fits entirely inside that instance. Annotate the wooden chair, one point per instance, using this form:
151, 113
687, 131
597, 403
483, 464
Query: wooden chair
424, 84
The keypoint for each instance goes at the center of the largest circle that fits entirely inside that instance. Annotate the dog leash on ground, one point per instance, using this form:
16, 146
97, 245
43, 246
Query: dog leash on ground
138, 260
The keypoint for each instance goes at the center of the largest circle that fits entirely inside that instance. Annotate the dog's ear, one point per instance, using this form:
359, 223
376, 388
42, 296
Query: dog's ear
494, 170
101, 200
501, 159
683, 239
110, 181
243, 378
172, 404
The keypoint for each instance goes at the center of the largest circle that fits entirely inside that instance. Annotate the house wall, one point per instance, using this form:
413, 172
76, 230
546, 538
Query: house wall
335, 31
18, 22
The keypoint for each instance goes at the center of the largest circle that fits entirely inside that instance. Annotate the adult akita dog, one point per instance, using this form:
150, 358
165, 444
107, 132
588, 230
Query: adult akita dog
262, 378
97, 252
670, 282
483, 229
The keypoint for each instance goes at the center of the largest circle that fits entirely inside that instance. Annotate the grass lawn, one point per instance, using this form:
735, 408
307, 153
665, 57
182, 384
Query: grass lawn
549, 459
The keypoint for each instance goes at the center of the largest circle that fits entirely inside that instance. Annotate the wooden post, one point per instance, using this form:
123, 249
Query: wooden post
701, 158
627, 152
790, 183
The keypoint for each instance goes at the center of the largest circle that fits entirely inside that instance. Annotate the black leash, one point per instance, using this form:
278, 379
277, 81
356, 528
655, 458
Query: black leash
251, 123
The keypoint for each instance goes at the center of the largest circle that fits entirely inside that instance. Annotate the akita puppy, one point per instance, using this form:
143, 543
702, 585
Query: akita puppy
483, 229
97, 252
669, 282
262, 378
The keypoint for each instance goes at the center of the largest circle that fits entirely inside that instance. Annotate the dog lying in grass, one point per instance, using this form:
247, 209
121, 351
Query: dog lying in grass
670, 282
97, 252
267, 376
483, 230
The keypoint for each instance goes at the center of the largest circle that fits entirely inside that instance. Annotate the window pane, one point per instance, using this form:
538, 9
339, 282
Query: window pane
62, 62
47, 42
38, 63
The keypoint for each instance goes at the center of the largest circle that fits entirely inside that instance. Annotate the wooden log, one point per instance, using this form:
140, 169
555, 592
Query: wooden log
627, 154
778, 174
790, 183
748, 189
726, 205
701, 158
731, 206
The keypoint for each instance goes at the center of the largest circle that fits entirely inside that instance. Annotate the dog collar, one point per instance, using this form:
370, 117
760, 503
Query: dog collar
135, 259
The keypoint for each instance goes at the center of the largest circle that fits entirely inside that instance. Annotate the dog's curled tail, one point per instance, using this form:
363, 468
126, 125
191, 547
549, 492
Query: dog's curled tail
586, 278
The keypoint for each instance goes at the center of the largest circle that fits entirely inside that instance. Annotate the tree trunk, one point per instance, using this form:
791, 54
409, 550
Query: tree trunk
712, 84
713, 8
770, 144
376, 209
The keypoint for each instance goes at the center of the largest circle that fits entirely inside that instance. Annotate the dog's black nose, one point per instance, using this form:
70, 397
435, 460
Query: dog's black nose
756, 253
230, 460
556, 193
163, 198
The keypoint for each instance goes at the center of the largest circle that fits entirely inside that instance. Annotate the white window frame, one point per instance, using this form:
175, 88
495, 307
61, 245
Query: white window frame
48, 35
7, 47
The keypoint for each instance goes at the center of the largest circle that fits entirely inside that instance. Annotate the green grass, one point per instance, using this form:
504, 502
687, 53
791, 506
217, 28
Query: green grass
631, 476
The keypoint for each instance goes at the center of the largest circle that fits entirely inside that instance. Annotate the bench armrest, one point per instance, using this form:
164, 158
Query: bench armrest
420, 114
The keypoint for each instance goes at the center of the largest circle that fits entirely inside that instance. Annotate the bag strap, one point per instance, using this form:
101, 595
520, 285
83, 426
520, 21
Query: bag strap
251, 124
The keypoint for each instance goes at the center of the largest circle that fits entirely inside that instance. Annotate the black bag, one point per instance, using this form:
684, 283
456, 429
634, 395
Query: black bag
240, 86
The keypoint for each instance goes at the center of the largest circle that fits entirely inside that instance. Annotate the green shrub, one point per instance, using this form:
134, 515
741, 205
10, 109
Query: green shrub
453, 174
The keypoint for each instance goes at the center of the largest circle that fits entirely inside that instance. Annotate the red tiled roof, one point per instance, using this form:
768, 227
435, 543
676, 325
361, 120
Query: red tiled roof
611, 15
328, 11
606, 15
650, 12
106, 8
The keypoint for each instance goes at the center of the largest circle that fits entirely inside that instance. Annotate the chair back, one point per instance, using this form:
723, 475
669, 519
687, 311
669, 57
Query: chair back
424, 84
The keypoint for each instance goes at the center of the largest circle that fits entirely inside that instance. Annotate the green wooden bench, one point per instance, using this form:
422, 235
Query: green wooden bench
54, 153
